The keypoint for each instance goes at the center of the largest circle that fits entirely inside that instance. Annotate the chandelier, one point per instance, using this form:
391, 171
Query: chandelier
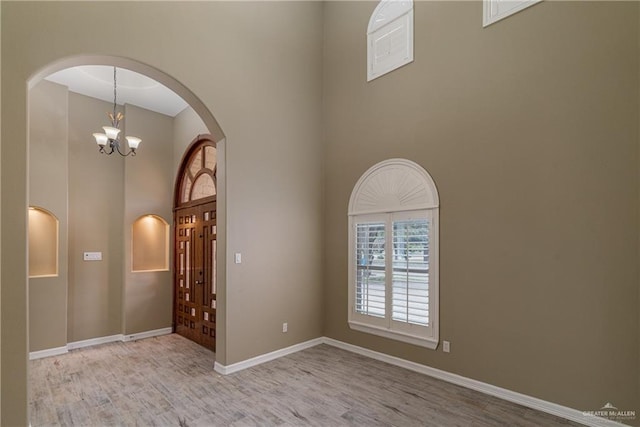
109, 141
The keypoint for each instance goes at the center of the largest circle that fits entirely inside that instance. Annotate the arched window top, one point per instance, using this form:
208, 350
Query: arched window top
393, 185
197, 174
388, 11
389, 37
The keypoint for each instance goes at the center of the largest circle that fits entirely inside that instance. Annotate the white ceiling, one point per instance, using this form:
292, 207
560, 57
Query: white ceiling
133, 88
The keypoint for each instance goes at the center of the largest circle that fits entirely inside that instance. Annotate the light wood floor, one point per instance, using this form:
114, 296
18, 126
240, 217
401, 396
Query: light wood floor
169, 381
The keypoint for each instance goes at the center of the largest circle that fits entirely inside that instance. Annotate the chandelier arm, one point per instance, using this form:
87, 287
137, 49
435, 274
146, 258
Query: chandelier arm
117, 147
108, 153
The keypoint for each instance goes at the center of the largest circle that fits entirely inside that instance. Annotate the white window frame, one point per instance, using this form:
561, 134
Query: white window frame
496, 10
395, 189
392, 20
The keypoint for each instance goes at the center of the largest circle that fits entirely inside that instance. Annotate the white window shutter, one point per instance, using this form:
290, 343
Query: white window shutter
370, 269
410, 286
389, 37
495, 10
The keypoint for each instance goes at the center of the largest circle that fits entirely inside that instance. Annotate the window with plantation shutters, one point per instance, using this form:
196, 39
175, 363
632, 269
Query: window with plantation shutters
410, 283
393, 260
371, 278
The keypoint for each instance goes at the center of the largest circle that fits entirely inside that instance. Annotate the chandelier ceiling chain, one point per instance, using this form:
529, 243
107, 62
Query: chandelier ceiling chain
109, 141
115, 92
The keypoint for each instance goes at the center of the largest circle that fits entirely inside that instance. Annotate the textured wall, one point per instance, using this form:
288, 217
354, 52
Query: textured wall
530, 130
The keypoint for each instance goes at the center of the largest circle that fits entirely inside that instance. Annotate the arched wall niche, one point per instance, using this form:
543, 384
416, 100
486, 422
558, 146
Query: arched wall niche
150, 244
43, 243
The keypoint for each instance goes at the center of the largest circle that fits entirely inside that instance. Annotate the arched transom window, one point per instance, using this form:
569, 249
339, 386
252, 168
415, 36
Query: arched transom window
198, 174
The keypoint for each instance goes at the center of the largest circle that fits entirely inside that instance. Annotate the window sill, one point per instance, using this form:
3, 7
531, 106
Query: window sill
395, 335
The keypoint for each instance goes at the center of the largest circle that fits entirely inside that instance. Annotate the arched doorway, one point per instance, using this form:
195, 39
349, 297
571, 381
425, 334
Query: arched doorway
16, 303
195, 247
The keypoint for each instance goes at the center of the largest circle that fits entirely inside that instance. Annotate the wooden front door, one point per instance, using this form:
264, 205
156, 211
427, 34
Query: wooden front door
194, 308
195, 297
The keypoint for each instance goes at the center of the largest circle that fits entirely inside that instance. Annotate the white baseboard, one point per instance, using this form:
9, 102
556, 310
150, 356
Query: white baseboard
235, 367
147, 334
94, 341
48, 352
97, 341
502, 393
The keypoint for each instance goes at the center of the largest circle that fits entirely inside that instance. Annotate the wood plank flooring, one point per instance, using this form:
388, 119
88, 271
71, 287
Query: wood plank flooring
169, 381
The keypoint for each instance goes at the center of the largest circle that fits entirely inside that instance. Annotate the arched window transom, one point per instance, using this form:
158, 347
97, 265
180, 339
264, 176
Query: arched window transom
198, 174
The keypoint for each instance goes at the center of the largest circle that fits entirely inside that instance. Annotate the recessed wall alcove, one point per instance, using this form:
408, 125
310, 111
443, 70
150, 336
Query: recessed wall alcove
43, 243
150, 244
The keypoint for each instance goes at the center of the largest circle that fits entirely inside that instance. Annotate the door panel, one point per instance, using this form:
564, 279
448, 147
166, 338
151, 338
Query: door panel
195, 274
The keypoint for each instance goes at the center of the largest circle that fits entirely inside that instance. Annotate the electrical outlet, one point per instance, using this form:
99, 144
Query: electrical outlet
446, 346
285, 327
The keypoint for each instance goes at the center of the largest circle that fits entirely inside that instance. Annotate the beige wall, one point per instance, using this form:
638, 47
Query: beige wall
96, 203
106, 298
186, 126
530, 130
257, 68
48, 182
1, 209
148, 190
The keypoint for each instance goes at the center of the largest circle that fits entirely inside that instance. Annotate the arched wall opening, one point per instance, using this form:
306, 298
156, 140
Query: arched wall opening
143, 282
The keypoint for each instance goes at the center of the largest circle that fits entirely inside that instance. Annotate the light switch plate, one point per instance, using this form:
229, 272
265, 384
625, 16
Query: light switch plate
92, 256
